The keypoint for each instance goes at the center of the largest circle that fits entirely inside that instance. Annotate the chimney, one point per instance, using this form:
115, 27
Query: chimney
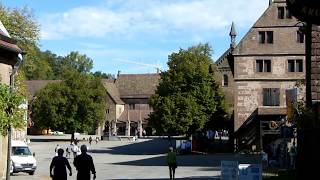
233, 35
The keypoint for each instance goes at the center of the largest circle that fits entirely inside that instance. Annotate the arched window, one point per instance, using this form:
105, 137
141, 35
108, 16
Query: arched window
225, 80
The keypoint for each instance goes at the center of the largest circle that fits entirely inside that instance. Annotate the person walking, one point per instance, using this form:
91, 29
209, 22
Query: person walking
56, 149
67, 152
74, 150
172, 162
84, 164
59, 164
90, 140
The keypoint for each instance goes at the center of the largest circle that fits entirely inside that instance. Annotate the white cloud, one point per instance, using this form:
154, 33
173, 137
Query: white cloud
131, 17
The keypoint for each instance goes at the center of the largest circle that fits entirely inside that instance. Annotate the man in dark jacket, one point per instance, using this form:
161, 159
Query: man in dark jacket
59, 164
84, 164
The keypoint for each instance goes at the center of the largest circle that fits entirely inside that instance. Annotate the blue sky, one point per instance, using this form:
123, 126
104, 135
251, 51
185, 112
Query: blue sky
136, 36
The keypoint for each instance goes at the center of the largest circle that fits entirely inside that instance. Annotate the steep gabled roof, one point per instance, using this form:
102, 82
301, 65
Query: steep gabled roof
268, 20
112, 90
137, 85
222, 61
34, 86
6, 42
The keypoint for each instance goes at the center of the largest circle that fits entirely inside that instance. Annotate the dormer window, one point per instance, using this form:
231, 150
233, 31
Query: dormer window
284, 13
280, 12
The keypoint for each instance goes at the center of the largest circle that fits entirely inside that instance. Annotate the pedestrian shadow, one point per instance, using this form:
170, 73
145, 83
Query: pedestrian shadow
149, 147
208, 162
184, 178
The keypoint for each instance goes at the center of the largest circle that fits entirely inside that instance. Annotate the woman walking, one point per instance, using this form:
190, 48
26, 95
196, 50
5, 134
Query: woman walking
172, 162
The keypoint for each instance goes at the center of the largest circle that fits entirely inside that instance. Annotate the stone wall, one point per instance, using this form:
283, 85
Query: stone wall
249, 97
315, 64
5, 70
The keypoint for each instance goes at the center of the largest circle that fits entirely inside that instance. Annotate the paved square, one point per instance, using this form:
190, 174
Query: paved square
145, 159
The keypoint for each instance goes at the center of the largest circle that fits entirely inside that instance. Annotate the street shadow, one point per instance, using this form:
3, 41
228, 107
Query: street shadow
209, 162
187, 178
149, 147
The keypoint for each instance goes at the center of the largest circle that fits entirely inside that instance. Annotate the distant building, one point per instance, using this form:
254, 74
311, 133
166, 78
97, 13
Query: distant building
9, 52
127, 102
268, 61
130, 108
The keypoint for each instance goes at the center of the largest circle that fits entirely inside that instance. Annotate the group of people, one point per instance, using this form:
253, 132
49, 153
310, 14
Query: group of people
83, 164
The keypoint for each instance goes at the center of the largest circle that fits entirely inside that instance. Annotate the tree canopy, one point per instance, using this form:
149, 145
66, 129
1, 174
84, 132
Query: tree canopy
188, 94
10, 109
76, 104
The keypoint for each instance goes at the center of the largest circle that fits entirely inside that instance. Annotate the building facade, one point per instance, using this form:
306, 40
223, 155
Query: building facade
130, 94
267, 64
127, 103
8, 57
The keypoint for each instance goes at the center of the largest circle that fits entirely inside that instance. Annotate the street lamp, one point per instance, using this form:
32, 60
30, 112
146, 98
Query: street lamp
14, 71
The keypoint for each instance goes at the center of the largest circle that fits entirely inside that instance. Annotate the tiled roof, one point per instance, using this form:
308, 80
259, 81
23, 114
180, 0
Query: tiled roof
137, 85
223, 57
35, 85
134, 115
6, 42
9, 46
112, 90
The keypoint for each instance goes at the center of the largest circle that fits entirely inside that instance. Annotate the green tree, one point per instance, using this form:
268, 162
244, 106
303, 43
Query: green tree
79, 62
23, 27
188, 94
10, 112
103, 75
76, 104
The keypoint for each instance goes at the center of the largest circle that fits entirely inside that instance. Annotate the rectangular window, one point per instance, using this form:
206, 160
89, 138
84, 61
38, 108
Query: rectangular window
291, 66
299, 65
300, 37
263, 65
265, 37
262, 37
225, 80
269, 37
131, 106
295, 65
280, 12
267, 66
271, 96
259, 65
108, 111
288, 13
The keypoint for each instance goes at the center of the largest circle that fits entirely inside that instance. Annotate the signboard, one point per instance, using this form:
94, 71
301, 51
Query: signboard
291, 99
305, 10
229, 170
250, 172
